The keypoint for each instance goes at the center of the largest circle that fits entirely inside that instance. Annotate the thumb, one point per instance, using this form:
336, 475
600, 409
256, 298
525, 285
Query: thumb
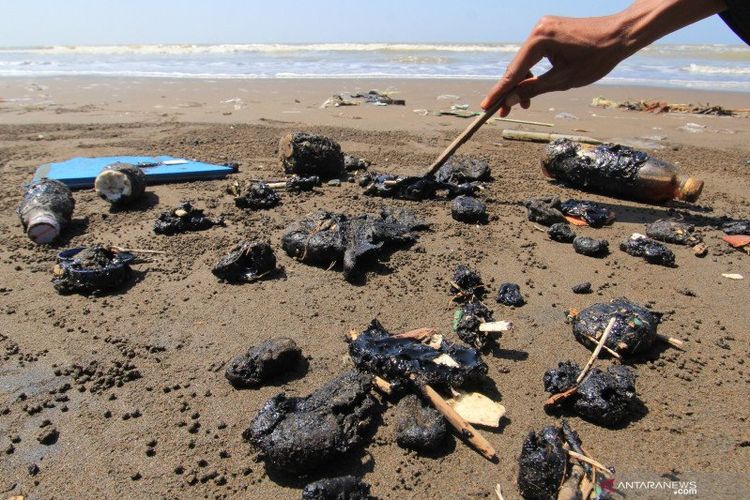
551, 81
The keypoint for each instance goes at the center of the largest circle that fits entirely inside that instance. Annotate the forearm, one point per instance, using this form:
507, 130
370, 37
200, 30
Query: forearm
646, 21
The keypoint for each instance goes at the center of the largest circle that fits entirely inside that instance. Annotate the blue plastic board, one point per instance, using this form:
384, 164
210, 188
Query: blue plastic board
80, 173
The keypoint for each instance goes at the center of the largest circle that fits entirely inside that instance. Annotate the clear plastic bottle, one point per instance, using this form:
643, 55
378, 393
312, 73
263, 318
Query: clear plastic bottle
618, 170
45, 210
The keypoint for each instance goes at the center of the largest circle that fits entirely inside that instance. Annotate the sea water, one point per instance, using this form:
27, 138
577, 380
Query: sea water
714, 67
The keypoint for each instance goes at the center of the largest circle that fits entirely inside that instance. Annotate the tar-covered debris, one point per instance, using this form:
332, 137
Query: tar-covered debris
245, 263
411, 188
545, 211
652, 251
737, 227
510, 295
397, 360
337, 488
542, 464
91, 270
676, 232
256, 196
184, 218
296, 183
466, 284
419, 427
561, 232
352, 163
590, 247
43, 199
460, 170
308, 154
634, 329
266, 361
468, 209
324, 238
604, 398
466, 322
298, 434
582, 288
375, 97
593, 214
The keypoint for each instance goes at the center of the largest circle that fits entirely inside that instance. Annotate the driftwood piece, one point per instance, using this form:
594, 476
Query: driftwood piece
523, 135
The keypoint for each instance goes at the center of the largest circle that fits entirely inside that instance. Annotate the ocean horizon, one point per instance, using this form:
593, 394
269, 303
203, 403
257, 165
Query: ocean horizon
699, 66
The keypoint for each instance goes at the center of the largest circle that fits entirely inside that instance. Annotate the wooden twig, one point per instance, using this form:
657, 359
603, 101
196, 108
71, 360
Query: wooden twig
590, 461
499, 492
560, 396
496, 326
596, 352
464, 428
523, 122
670, 340
135, 250
569, 489
587, 486
612, 352
522, 135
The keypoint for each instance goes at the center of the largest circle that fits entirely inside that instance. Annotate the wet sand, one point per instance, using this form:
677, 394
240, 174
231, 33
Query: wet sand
177, 326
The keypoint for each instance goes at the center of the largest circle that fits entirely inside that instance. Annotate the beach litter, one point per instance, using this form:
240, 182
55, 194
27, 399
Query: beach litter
740, 227
299, 434
419, 427
733, 276
184, 218
654, 106
589, 212
120, 183
247, 262
652, 252
308, 154
91, 270
466, 284
378, 98
337, 100
467, 321
353, 163
266, 361
337, 488
326, 239
476, 408
590, 247
255, 195
676, 232
411, 188
527, 136
46, 209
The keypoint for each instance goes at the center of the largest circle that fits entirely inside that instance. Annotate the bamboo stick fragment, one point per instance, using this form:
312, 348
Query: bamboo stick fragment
612, 352
523, 122
522, 135
670, 340
496, 326
569, 489
135, 250
596, 352
590, 461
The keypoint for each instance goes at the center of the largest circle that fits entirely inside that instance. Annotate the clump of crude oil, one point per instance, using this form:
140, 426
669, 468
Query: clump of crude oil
468, 209
324, 238
411, 188
651, 251
184, 218
466, 322
737, 227
299, 434
466, 284
594, 214
91, 270
604, 398
418, 427
307, 154
561, 232
265, 361
375, 97
337, 488
545, 211
396, 359
256, 196
245, 263
297, 184
634, 330
590, 247
510, 295
542, 464
670, 231
352, 163
460, 170
582, 288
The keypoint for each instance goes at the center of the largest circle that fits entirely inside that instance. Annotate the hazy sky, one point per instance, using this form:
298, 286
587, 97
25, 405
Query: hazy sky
96, 22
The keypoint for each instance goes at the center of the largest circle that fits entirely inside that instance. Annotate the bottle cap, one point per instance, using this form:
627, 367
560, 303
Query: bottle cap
43, 229
691, 189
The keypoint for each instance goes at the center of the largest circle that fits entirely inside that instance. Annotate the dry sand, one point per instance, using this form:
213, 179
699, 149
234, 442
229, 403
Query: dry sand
177, 326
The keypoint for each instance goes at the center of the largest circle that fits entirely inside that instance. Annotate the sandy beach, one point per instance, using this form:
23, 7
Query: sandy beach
178, 327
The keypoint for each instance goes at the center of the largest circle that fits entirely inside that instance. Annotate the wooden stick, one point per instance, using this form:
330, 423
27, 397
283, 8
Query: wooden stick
383, 385
596, 352
522, 122
587, 486
556, 398
522, 135
569, 489
614, 353
277, 185
670, 340
135, 250
590, 461
499, 492
496, 326
464, 428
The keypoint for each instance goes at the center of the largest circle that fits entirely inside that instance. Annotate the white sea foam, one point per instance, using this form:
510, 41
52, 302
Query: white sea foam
717, 70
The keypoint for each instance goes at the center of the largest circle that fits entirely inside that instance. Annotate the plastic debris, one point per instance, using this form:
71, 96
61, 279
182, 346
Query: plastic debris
590, 247
120, 183
510, 295
307, 154
634, 330
298, 434
324, 238
561, 232
337, 488
184, 218
653, 252
670, 231
45, 210
468, 209
476, 408
398, 360
91, 270
247, 262
419, 427
737, 227
263, 362
593, 214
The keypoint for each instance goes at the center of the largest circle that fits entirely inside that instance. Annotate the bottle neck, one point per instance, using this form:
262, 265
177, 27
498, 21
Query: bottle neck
688, 189
42, 226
